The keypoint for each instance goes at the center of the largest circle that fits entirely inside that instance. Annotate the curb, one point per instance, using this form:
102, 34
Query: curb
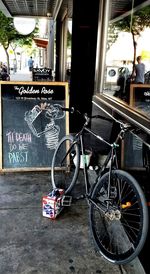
134, 267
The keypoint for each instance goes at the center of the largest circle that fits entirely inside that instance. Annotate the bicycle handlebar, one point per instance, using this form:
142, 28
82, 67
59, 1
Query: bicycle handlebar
88, 118
85, 115
101, 117
71, 110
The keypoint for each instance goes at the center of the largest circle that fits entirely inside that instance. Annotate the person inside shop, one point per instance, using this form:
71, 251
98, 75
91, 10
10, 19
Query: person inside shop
30, 63
4, 72
139, 71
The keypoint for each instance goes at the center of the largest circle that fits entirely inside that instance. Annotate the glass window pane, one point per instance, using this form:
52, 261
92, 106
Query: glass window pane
128, 38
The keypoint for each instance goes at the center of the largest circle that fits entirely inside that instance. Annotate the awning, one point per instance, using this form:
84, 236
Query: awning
41, 43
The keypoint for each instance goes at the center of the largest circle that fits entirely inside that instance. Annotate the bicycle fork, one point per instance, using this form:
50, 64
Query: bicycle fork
110, 211
112, 191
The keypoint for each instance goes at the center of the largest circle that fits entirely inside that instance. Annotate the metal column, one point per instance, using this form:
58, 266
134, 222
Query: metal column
103, 20
50, 48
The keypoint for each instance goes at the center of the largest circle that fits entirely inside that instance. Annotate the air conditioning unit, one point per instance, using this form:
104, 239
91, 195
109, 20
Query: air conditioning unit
112, 74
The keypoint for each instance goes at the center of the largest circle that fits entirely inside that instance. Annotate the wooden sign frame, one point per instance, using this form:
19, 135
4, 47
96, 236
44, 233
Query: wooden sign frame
133, 91
47, 94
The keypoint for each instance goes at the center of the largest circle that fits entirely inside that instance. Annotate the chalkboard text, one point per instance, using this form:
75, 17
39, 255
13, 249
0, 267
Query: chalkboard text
31, 90
18, 146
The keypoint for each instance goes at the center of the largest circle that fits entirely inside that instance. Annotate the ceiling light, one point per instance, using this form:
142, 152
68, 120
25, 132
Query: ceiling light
24, 25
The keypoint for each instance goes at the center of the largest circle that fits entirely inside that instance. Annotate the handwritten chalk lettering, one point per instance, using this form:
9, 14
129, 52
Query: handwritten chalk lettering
23, 137
23, 146
10, 137
147, 93
47, 91
18, 157
12, 147
13, 136
28, 90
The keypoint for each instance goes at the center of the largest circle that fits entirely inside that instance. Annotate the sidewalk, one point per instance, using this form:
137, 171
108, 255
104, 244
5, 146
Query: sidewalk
31, 243
21, 75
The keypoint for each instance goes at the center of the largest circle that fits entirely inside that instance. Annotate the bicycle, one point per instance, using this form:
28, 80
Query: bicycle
117, 206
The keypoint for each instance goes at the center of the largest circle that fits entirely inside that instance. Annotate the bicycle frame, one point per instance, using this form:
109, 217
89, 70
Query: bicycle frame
110, 161
111, 157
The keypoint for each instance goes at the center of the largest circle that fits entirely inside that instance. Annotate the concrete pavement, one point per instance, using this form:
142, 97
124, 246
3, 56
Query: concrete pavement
21, 75
31, 243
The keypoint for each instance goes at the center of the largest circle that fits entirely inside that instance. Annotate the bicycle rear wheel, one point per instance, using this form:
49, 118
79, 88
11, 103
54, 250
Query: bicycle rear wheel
65, 164
120, 230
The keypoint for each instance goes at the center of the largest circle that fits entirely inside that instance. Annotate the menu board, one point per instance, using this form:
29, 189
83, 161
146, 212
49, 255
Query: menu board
140, 98
32, 123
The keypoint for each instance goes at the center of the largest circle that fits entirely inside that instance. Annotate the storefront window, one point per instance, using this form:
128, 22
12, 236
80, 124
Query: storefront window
128, 38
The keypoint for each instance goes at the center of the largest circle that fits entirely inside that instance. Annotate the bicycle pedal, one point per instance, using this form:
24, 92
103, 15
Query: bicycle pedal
66, 200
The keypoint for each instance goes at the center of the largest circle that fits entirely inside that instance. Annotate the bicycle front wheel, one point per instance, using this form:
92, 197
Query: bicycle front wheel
119, 224
65, 164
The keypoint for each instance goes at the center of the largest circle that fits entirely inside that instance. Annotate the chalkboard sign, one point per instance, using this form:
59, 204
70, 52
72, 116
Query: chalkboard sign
133, 157
140, 98
32, 123
42, 74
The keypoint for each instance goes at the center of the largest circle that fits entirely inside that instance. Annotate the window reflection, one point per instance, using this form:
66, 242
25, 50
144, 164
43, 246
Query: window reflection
128, 38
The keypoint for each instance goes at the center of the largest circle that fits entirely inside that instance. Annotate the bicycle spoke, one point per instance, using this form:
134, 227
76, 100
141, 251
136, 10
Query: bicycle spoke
118, 229
64, 169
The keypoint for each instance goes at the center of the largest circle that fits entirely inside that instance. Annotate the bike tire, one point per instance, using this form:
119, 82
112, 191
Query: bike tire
121, 239
65, 164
